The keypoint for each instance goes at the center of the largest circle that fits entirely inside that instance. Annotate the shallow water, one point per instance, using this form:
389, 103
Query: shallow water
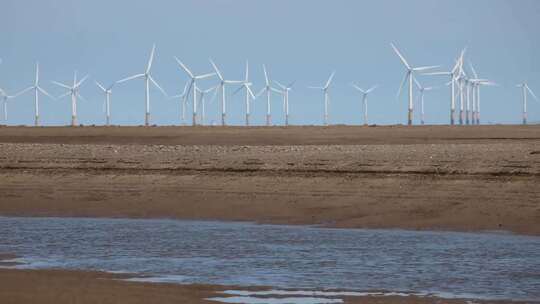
470, 265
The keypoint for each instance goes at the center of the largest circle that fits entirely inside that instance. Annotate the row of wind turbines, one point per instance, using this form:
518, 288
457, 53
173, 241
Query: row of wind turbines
462, 85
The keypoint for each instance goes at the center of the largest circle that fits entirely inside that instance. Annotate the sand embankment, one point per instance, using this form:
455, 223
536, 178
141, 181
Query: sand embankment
457, 178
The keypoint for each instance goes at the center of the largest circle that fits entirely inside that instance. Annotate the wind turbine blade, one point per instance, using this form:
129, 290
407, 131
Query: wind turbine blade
61, 84
437, 74
260, 92
280, 85
216, 69
45, 93
130, 78
237, 90
291, 84
184, 67
400, 56
81, 81
100, 86
247, 71
530, 91
233, 81
266, 75
37, 74
81, 97
205, 76
23, 91
276, 90
371, 89
63, 95
357, 88
250, 92
189, 89
473, 70
418, 69
185, 89
151, 59
330, 80
417, 83
210, 90
157, 85
317, 88
402, 84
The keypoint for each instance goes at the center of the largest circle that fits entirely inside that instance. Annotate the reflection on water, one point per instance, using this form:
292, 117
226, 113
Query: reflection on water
489, 266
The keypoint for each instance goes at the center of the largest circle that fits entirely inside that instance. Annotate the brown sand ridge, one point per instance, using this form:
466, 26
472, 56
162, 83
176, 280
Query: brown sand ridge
432, 177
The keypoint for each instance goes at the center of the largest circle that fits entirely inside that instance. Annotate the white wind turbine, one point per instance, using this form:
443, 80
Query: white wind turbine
454, 74
475, 85
37, 89
285, 91
5, 99
202, 94
74, 92
422, 92
409, 77
147, 79
268, 89
249, 94
525, 89
107, 102
479, 83
365, 94
326, 96
193, 86
463, 81
222, 83
183, 101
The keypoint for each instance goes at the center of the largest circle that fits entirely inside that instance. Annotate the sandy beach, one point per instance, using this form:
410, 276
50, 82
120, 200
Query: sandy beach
82, 287
433, 177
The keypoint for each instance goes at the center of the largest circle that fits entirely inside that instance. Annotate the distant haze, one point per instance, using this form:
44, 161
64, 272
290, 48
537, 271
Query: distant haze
299, 40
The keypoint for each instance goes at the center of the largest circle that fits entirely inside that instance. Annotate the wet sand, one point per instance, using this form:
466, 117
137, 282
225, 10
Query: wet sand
434, 177
60, 286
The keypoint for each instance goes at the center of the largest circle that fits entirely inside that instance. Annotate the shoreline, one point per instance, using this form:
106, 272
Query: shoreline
67, 286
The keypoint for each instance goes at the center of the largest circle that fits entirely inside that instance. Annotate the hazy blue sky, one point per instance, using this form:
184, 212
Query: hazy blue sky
300, 40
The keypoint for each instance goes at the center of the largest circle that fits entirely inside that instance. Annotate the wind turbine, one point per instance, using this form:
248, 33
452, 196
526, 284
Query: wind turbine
202, 94
107, 91
147, 79
475, 85
5, 98
37, 89
525, 88
183, 101
365, 94
463, 81
422, 92
409, 77
222, 83
286, 89
479, 83
192, 86
268, 89
249, 94
326, 96
73, 91
454, 74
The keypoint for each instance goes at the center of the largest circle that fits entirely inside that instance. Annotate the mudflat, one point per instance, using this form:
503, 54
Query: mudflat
464, 178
